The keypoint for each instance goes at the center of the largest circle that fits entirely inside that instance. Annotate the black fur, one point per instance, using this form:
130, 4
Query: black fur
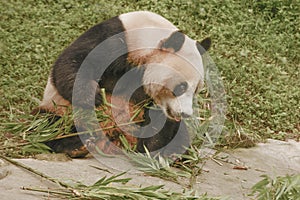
67, 65
72, 146
204, 45
172, 137
175, 41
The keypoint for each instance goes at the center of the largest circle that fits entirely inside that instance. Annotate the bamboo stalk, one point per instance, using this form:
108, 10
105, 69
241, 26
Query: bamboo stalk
18, 164
14, 146
47, 191
75, 134
100, 129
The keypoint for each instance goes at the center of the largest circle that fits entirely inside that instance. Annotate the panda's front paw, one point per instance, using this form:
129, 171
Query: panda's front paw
78, 153
90, 143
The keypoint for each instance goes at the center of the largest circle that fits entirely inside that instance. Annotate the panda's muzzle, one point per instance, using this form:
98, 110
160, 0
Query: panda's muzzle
176, 117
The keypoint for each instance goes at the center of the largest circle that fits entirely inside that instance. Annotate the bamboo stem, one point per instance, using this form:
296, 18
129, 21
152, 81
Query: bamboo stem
18, 164
100, 129
75, 134
47, 191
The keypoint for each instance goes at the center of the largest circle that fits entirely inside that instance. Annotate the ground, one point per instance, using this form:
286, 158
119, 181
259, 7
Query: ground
230, 174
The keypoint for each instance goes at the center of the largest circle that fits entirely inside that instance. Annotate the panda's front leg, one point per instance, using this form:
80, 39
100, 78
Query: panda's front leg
86, 94
163, 136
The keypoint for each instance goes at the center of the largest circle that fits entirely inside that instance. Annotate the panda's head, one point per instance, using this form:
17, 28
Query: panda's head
174, 72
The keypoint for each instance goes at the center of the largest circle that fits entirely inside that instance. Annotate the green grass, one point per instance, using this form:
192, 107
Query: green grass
255, 46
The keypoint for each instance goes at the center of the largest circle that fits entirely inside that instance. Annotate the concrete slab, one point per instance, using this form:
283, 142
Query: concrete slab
235, 172
230, 173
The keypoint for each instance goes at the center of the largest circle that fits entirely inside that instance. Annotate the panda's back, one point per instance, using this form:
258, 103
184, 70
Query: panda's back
144, 19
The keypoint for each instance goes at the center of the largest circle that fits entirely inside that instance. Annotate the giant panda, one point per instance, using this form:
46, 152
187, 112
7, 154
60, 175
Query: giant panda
166, 70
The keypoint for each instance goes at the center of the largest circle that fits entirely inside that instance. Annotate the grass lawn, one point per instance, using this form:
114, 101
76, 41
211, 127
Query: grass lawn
255, 46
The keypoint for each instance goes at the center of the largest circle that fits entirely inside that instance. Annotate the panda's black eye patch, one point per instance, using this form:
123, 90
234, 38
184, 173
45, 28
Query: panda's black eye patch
180, 89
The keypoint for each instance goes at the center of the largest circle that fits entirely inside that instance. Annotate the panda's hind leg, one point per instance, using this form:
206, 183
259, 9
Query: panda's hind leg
72, 145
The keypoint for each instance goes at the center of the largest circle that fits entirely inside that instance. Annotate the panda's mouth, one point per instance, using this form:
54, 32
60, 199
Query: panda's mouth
171, 115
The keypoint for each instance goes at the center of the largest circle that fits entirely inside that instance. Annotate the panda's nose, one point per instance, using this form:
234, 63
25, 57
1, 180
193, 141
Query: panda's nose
185, 115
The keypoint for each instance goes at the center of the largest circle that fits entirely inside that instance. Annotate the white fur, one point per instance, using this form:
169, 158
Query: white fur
168, 73
144, 32
52, 100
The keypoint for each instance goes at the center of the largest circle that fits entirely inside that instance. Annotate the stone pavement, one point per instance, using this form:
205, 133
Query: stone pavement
230, 173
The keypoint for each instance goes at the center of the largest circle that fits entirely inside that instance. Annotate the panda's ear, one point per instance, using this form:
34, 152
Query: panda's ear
174, 42
204, 45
